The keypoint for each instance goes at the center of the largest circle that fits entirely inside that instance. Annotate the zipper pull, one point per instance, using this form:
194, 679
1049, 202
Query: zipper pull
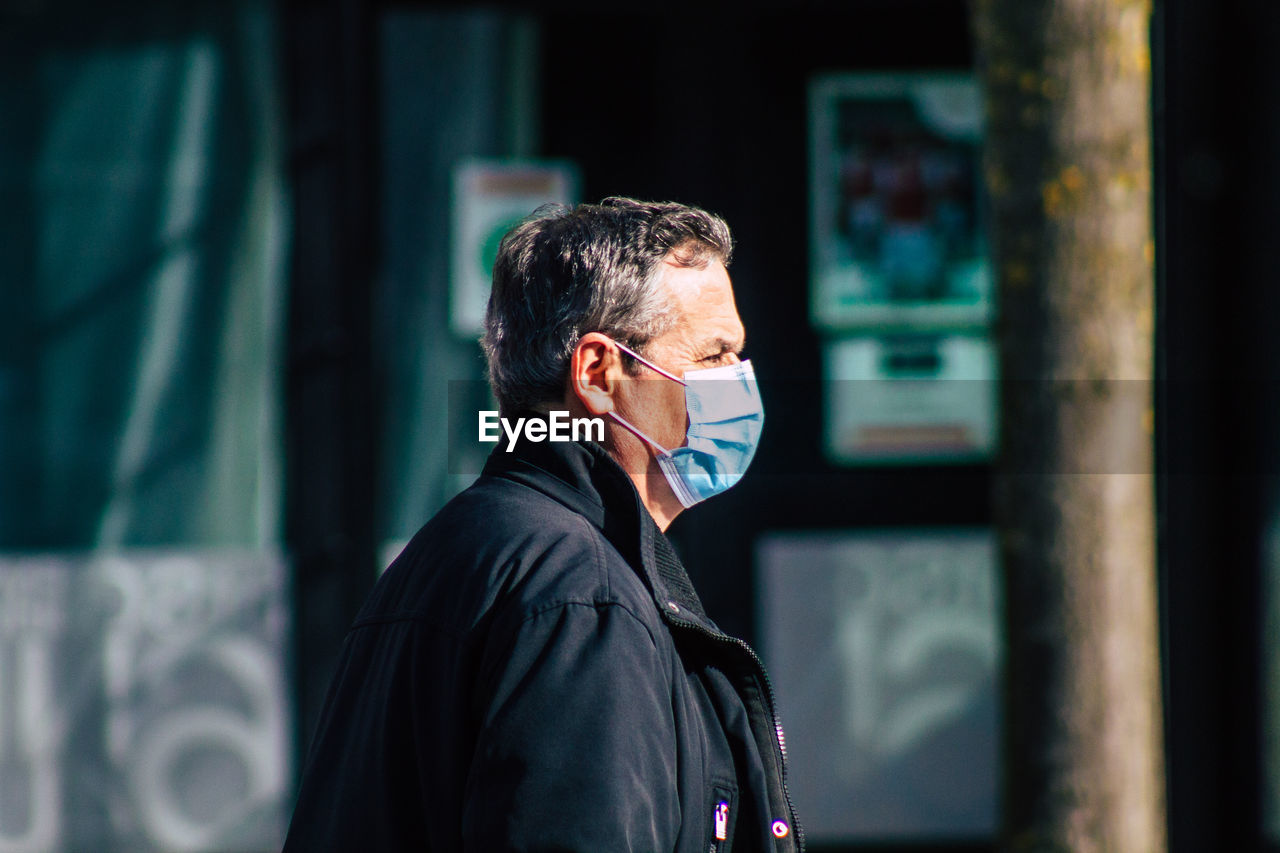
722, 821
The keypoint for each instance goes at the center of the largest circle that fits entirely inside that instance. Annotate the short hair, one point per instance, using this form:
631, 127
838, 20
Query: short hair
564, 272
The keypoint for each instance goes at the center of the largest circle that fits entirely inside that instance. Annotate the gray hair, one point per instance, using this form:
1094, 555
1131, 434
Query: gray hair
565, 271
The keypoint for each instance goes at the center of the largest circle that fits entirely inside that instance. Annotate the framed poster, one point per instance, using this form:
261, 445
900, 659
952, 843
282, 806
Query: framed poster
489, 198
896, 233
884, 648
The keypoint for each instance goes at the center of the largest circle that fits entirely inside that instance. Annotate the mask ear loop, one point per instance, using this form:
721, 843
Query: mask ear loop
672, 476
623, 421
638, 434
665, 458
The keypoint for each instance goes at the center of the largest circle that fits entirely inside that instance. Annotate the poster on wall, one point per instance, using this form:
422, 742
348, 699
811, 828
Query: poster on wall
145, 701
884, 650
910, 398
489, 198
896, 219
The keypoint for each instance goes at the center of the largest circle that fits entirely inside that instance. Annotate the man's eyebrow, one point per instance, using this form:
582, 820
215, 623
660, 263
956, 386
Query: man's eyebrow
720, 346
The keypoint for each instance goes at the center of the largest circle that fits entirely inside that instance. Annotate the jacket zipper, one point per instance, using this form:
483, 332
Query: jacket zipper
779, 737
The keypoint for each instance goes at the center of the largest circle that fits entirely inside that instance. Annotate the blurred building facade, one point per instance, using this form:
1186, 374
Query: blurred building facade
230, 386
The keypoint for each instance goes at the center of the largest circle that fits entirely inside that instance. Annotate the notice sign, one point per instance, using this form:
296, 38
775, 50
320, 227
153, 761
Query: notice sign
489, 198
910, 399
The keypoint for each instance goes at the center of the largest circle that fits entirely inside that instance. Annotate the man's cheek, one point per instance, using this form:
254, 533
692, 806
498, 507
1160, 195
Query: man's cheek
678, 419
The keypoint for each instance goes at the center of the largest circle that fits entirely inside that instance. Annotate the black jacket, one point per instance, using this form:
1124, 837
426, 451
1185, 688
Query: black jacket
536, 672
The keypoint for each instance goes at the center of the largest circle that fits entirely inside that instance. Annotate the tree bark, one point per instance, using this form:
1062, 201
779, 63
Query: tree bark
1067, 165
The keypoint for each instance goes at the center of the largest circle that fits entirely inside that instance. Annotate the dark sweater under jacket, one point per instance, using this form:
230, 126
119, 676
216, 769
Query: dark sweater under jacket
536, 672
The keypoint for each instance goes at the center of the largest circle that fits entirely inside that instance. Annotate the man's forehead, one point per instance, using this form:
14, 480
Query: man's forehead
708, 316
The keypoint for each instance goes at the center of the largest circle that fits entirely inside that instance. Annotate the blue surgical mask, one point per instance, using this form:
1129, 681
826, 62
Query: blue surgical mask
725, 419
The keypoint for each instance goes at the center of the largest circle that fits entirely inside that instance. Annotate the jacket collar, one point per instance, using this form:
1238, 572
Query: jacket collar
585, 478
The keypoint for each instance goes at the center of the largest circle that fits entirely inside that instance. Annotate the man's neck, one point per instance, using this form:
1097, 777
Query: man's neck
660, 501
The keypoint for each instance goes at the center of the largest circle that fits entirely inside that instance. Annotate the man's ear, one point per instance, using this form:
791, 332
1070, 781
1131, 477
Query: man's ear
595, 369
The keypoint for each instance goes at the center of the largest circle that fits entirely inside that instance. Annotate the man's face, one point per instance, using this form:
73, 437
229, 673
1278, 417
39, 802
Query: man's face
707, 333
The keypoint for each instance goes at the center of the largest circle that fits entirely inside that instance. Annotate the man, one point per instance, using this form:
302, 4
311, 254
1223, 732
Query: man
535, 670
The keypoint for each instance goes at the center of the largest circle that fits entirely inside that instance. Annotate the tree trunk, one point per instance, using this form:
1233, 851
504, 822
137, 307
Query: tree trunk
1068, 170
